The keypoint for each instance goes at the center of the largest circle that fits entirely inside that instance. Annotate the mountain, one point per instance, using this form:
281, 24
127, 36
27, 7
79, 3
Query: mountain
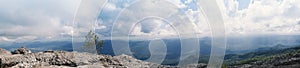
277, 56
236, 47
37, 46
140, 49
248, 43
258, 52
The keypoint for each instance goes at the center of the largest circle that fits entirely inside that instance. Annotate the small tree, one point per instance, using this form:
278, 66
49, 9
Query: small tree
91, 41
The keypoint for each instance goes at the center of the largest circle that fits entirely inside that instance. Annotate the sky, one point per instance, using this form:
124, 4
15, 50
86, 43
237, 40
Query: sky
27, 20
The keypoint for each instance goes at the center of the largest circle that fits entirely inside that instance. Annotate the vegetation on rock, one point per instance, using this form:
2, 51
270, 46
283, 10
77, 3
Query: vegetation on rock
92, 42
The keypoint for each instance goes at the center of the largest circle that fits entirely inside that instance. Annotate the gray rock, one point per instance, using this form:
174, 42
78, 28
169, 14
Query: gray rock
68, 59
200, 65
62, 59
21, 50
4, 52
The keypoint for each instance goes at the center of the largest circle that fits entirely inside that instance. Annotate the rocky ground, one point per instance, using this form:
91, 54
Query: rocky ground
23, 58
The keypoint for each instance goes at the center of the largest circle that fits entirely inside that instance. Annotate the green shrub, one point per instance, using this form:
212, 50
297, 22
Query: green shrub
92, 43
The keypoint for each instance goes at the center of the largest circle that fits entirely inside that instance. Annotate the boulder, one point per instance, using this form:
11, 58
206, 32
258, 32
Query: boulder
21, 50
4, 52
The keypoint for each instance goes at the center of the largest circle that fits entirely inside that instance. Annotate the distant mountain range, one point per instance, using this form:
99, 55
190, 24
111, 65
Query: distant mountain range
235, 46
37, 46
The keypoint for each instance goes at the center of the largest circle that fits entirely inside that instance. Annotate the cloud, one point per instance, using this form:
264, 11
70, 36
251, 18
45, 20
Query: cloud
34, 19
131, 12
149, 26
241, 17
22, 19
152, 27
5, 39
277, 17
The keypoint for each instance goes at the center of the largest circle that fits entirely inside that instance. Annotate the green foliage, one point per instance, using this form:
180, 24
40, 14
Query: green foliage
262, 56
92, 42
224, 66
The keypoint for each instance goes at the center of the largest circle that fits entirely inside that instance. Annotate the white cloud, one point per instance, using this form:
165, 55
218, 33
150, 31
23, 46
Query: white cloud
52, 19
262, 16
152, 27
29, 20
135, 11
247, 17
5, 39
